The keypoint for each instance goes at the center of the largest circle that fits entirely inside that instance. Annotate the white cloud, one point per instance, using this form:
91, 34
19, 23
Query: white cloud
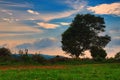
47, 25
11, 15
77, 6
64, 23
32, 12
113, 9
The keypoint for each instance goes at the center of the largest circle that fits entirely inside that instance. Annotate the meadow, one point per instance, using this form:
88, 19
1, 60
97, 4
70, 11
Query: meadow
104, 71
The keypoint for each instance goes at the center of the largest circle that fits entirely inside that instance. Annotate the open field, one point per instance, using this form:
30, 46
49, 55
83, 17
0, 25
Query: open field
62, 72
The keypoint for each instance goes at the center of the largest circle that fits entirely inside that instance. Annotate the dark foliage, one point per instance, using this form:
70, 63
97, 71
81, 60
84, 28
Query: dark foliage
38, 58
4, 52
117, 56
25, 58
98, 53
83, 33
58, 59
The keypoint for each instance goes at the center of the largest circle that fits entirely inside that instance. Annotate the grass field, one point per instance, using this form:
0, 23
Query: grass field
62, 72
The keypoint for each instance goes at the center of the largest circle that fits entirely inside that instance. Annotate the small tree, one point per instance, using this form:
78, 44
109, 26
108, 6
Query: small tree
83, 33
4, 52
21, 52
98, 53
26, 51
117, 56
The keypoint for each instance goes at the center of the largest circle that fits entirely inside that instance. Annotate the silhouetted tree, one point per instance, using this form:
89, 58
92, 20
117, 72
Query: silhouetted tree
24, 56
98, 53
117, 56
21, 52
4, 52
83, 33
26, 51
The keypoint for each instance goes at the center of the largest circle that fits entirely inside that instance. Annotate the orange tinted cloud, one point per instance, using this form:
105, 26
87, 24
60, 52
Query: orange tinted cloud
12, 43
16, 27
47, 25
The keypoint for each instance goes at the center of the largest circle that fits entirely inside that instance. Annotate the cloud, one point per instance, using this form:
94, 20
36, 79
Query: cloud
32, 12
113, 9
7, 12
64, 23
13, 43
76, 4
38, 44
112, 50
16, 27
47, 25
76, 7
114, 31
9, 4
44, 46
26, 12
10, 20
117, 38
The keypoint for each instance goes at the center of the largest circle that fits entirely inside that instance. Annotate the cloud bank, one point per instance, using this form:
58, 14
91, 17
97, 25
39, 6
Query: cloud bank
113, 9
39, 44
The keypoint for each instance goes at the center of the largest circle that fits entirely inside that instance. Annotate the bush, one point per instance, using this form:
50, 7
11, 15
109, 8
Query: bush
58, 59
4, 52
38, 58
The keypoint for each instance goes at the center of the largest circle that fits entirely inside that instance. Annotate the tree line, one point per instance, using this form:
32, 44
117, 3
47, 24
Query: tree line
26, 58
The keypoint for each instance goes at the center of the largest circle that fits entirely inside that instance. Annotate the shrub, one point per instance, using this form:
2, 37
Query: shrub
24, 58
5, 52
38, 58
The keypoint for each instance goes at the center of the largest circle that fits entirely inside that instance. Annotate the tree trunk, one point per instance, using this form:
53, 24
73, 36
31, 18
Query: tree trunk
77, 56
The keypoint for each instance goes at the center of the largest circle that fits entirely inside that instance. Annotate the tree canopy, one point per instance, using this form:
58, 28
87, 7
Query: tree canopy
98, 53
83, 33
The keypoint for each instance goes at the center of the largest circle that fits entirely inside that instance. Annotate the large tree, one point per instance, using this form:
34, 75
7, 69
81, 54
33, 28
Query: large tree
83, 33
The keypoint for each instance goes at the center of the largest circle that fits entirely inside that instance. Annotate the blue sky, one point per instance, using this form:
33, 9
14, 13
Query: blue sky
38, 24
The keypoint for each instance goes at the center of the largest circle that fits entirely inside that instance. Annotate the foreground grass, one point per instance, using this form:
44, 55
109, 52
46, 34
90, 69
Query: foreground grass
68, 72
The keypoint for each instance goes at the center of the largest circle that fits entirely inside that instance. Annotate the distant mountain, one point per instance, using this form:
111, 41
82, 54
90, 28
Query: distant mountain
47, 56
44, 55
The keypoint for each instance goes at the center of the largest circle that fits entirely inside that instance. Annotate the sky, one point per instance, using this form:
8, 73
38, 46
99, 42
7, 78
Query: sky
38, 24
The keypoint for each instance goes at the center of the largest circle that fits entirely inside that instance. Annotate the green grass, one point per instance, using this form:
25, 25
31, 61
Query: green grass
70, 72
